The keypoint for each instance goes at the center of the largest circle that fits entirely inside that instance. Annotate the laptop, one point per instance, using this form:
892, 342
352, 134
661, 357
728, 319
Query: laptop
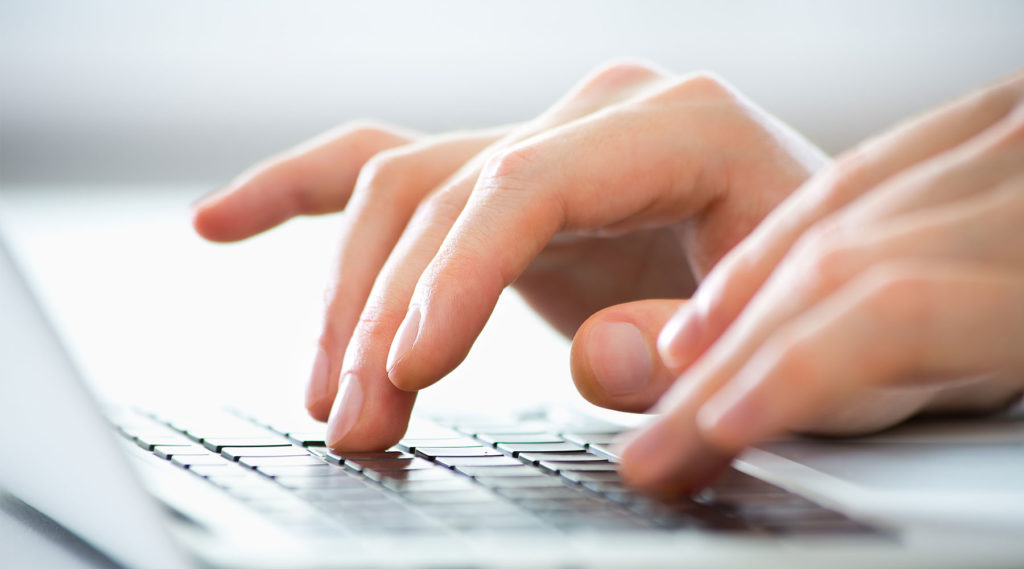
208, 486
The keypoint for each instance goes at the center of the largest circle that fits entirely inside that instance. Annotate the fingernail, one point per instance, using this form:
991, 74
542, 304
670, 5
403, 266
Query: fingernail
620, 358
678, 337
405, 338
316, 389
346, 408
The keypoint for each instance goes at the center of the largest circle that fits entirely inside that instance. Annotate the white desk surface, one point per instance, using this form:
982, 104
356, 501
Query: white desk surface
155, 315
152, 313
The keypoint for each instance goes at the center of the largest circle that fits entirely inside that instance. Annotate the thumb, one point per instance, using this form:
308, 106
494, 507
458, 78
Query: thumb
614, 357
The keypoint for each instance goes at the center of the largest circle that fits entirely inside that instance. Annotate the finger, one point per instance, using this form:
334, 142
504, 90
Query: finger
896, 323
374, 413
565, 181
613, 358
741, 273
806, 278
313, 178
390, 187
370, 412
818, 365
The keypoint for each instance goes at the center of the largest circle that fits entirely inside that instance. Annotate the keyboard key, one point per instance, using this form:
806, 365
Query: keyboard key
435, 473
457, 441
384, 455
341, 495
149, 440
562, 491
380, 476
234, 453
560, 447
618, 496
452, 482
447, 498
187, 460
495, 428
306, 470
426, 429
587, 439
167, 451
579, 477
579, 456
490, 461
589, 521
842, 526
308, 438
582, 504
537, 481
685, 514
215, 425
380, 465
536, 438
259, 461
521, 470
216, 443
469, 522
557, 466
319, 482
604, 451
477, 450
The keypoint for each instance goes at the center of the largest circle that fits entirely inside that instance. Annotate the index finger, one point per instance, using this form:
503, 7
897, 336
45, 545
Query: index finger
618, 170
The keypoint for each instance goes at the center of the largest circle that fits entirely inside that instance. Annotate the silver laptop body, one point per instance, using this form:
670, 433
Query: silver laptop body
87, 468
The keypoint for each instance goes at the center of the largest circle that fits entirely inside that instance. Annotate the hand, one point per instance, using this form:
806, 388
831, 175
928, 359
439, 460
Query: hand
630, 187
891, 283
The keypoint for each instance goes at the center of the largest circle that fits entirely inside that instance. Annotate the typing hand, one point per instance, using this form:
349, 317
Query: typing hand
889, 284
630, 187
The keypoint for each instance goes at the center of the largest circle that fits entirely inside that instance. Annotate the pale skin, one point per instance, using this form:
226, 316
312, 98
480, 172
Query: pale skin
828, 296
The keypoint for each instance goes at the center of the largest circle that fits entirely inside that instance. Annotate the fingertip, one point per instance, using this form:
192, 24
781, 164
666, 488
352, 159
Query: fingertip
613, 359
367, 421
667, 461
319, 410
319, 395
443, 321
647, 463
213, 220
612, 365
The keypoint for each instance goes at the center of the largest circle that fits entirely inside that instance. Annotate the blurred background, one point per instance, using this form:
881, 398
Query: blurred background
115, 115
194, 90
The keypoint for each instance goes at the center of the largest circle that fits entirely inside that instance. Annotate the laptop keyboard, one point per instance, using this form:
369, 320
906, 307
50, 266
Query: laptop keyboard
467, 476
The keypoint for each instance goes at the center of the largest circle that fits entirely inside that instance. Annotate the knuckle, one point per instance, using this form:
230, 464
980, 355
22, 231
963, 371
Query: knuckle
376, 322
509, 169
699, 85
895, 292
1013, 125
618, 73
843, 180
388, 169
441, 208
364, 130
825, 259
795, 363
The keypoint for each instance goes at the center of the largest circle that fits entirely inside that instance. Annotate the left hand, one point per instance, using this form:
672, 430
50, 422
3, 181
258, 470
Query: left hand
890, 284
